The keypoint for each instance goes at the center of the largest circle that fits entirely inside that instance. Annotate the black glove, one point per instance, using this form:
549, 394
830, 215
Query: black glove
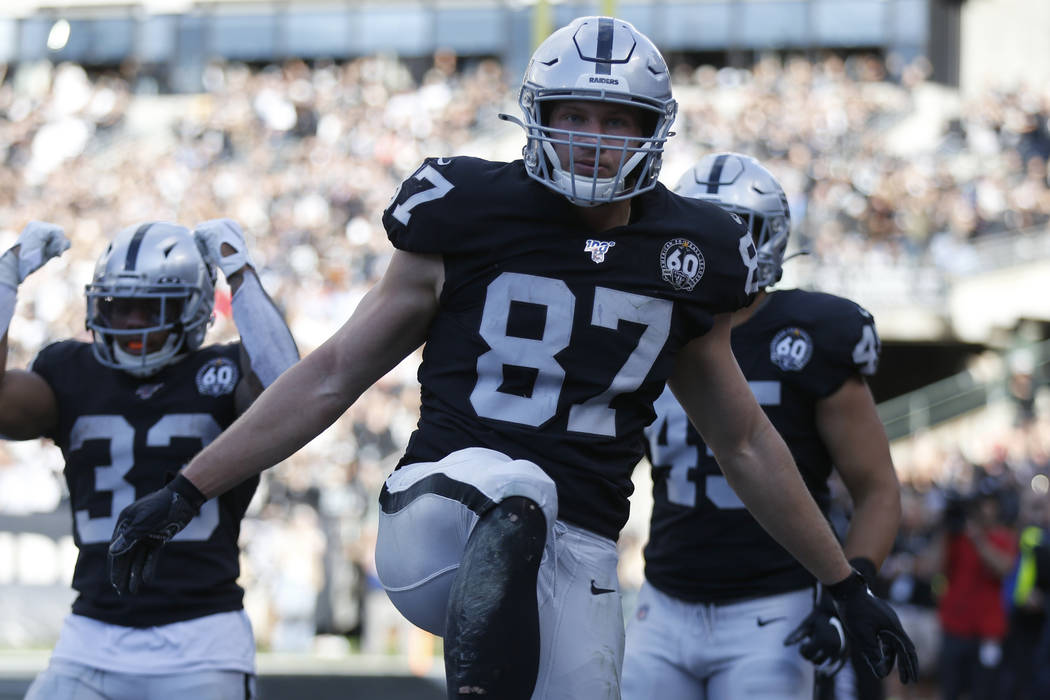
821, 638
873, 627
144, 527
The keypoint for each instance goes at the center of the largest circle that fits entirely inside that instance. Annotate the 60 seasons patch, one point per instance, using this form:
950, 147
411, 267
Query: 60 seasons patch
791, 349
217, 377
681, 264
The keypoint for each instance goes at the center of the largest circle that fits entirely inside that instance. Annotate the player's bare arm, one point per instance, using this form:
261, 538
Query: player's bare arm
850, 427
753, 456
27, 405
390, 322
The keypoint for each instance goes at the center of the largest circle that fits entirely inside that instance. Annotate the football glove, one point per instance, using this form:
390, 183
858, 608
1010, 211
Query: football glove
821, 638
144, 527
873, 628
212, 234
38, 243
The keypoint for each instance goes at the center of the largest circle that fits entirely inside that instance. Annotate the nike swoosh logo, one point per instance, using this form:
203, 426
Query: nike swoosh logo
763, 623
598, 591
442, 161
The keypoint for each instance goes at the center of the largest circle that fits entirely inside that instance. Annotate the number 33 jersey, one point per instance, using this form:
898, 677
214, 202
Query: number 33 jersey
124, 437
552, 341
797, 349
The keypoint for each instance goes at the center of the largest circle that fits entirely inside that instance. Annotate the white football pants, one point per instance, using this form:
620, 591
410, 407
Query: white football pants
428, 511
700, 651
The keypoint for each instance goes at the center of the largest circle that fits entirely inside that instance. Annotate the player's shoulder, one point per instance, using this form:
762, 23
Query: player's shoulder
450, 203
840, 329
439, 186
822, 309
64, 356
703, 247
215, 369
701, 217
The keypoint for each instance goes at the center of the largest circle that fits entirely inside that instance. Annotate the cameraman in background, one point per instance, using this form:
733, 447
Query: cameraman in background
977, 551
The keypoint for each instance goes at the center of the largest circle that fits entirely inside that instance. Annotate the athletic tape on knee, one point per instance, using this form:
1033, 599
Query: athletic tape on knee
7, 307
264, 333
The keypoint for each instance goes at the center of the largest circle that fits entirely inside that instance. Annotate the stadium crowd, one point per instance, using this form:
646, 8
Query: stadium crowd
306, 158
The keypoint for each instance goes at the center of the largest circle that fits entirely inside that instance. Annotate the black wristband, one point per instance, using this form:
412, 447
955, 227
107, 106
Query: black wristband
847, 586
866, 568
185, 488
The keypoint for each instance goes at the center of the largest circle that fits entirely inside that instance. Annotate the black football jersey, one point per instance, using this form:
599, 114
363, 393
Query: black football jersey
551, 342
704, 546
123, 437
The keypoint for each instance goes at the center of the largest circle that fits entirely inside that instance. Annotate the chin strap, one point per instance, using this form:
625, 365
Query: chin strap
264, 333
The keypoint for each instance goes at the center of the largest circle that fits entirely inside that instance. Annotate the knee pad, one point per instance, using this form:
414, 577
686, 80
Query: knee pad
492, 642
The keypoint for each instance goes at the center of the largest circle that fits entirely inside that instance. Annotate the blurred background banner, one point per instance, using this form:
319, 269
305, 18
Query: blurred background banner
911, 136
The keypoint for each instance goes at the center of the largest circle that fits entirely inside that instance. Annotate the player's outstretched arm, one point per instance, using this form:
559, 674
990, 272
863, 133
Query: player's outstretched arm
754, 458
27, 405
265, 336
391, 321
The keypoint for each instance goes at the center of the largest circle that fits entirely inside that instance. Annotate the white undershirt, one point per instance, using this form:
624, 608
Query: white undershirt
223, 641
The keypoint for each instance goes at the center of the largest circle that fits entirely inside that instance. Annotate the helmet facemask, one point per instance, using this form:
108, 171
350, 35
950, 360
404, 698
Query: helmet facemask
596, 59
156, 273
638, 158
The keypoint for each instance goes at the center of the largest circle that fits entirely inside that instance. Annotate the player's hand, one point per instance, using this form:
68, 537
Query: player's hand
144, 527
821, 638
873, 627
38, 243
224, 242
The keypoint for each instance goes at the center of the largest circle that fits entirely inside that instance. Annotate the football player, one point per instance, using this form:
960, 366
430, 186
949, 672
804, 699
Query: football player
555, 296
724, 605
128, 410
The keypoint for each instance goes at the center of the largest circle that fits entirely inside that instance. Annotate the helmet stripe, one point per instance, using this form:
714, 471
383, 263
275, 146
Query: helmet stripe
603, 54
715, 177
134, 245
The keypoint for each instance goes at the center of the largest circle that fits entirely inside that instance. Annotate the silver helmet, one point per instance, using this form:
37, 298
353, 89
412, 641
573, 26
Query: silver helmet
605, 60
742, 185
160, 268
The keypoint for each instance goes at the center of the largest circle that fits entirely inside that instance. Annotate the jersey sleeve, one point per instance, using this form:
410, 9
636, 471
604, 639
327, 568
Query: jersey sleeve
848, 340
732, 262
54, 364
433, 209
49, 363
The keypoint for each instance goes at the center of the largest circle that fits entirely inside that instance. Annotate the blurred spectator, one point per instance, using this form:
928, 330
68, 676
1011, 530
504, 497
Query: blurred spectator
977, 551
1025, 602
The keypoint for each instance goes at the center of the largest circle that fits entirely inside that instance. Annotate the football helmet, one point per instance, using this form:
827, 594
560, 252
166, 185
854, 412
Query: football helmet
743, 186
606, 60
159, 269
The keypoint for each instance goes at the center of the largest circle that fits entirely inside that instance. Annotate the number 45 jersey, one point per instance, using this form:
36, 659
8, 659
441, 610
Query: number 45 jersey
551, 341
124, 437
704, 546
